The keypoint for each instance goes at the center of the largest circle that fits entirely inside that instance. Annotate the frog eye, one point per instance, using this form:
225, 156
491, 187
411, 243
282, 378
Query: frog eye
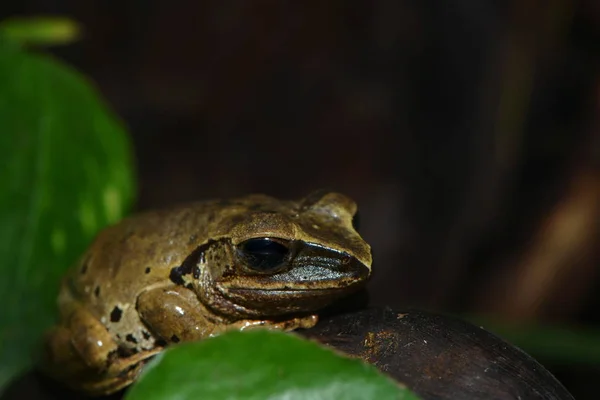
263, 254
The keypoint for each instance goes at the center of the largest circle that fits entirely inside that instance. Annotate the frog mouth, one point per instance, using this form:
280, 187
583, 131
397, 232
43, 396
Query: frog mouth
273, 286
280, 301
276, 291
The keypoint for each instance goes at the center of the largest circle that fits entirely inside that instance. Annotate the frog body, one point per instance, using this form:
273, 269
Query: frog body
197, 270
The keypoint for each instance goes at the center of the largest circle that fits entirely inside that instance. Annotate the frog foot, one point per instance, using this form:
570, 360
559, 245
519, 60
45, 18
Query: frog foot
81, 353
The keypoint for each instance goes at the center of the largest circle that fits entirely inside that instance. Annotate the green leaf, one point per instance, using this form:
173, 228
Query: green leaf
260, 364
65, 173
40, 30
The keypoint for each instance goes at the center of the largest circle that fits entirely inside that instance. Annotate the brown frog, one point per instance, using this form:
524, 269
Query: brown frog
195, 271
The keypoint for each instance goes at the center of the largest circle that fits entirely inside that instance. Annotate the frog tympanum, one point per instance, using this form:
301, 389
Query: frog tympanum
195, 271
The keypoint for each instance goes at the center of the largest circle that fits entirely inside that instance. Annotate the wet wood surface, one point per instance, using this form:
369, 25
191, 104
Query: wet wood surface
438, 357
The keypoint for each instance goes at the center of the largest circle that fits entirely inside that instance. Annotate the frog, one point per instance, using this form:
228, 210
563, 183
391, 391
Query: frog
193, 271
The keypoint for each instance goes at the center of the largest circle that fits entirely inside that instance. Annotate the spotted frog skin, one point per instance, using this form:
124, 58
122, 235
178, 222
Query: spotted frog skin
197, 270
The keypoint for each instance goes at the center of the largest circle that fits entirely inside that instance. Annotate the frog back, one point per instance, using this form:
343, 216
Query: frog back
135, 255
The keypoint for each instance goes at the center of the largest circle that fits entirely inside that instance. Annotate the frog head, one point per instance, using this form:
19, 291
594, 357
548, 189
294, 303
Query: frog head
272, 258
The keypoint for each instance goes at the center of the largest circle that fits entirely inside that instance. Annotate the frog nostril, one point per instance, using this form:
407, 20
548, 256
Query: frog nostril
356, 221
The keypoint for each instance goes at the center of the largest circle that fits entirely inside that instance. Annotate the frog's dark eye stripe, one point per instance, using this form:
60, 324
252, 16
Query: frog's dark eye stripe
263, 254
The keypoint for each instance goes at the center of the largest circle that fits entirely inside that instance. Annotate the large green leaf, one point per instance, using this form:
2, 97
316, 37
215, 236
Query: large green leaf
65, 173
260, 364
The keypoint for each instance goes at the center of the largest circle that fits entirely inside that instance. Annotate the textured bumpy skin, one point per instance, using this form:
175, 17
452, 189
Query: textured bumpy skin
177, 275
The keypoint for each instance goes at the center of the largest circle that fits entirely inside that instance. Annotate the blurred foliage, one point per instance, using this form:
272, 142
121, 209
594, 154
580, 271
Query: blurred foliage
66, 173
551, 344
40, 30
261, 365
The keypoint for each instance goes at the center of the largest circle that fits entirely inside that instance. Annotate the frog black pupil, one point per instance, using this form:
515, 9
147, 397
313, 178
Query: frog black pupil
263, 254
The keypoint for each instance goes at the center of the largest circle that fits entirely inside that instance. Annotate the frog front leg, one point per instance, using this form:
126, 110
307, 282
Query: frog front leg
174, 314
81, 353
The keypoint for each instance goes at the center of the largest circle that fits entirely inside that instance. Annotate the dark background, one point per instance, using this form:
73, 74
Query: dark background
467, 131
